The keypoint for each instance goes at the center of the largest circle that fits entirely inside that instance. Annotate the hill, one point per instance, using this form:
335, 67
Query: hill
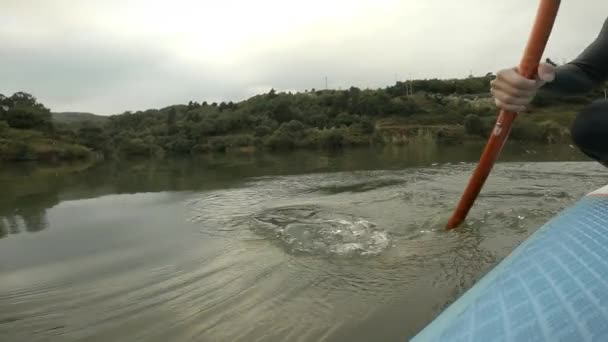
452, 111
78, 118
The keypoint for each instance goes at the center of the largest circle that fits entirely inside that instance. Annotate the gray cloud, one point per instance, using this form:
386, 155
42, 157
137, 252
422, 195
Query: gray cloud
103, 58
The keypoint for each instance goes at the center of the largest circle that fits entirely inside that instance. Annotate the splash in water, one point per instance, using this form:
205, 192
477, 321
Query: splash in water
311, 230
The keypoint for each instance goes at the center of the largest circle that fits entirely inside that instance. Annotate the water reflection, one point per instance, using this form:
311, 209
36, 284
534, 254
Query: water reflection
28, 215
31, 222
3, 228
30, 189
260, 242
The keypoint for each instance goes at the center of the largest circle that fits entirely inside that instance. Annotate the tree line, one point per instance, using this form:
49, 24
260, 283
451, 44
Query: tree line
451, 111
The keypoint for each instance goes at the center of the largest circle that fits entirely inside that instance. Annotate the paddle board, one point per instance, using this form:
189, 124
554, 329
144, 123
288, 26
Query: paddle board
552, 287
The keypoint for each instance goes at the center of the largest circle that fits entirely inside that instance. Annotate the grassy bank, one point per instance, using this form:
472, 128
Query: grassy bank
31, 145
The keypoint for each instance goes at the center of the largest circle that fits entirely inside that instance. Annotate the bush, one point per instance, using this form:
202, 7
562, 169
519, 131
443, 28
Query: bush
70, 152
488, 125
528, 130
225, 143
212, 126
42, 150
199, 149
293, 126
179, 144
354, 137
138, 147
92, 137
218, 144
553, 132
473, 125
377, 139
241, 140
16, 150
365, 126
332, 139
450, 135
25, 117
344, 119
280, 140
436, 119
288, 136
317, 120
3, 127
262, 131
283, 112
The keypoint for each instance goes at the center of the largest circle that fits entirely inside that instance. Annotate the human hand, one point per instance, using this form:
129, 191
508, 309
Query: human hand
513, 92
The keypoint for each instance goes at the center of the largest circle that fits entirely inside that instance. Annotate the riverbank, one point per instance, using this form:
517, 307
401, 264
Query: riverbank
30, 145
20, 146
321, 120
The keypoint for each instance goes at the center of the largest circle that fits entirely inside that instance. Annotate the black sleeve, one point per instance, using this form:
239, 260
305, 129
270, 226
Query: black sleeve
586, 71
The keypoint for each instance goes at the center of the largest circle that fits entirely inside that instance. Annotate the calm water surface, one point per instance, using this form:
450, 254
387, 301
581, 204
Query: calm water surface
299, 247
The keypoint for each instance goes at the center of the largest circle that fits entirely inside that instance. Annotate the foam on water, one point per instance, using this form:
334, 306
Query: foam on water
311, 230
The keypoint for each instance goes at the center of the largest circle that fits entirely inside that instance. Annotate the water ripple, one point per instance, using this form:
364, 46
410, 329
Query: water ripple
313, 230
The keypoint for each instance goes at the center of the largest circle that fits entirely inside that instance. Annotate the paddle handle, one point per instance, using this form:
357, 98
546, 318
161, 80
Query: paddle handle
528, 67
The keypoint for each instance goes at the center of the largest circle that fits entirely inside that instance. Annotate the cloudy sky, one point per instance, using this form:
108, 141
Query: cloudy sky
108, 56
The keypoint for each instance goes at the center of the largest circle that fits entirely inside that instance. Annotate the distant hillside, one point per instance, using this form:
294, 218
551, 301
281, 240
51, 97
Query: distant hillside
76, 118
430, 111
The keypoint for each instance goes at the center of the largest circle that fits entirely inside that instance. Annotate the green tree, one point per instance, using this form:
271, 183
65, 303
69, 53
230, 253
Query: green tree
93, 137
24, 99
172, 117
262, 131
319, 120
283, 112
527, 130
365, 125
333, 139
25, 116
287, 136
223, 106
345, 119
3, 127
272, 94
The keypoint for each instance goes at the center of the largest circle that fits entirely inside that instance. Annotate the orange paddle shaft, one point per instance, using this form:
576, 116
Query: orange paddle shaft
528, 67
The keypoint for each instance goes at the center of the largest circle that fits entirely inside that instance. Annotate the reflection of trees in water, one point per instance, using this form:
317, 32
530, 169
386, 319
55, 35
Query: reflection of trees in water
31, 220
13, 226
28, 191
26, 213
35, 220
3, 229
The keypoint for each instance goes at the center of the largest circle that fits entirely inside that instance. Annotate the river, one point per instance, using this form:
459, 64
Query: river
305, 246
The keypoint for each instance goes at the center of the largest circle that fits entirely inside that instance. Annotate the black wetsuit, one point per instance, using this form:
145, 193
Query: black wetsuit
589, 70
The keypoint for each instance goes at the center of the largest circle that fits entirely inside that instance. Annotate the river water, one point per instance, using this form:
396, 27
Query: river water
298, 247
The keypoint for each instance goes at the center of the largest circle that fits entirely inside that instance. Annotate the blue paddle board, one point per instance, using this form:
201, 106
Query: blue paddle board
552, 287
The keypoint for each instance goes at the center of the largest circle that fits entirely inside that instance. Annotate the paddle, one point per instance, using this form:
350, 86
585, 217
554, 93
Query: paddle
528, 67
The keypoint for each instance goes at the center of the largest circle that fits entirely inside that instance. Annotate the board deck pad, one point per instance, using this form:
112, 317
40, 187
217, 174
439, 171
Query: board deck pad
552, 287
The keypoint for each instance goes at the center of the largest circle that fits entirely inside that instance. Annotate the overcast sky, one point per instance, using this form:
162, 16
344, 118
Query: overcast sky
108, 56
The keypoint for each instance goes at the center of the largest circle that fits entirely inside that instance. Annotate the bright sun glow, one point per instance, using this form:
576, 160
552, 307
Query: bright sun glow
89, 53
221, 32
